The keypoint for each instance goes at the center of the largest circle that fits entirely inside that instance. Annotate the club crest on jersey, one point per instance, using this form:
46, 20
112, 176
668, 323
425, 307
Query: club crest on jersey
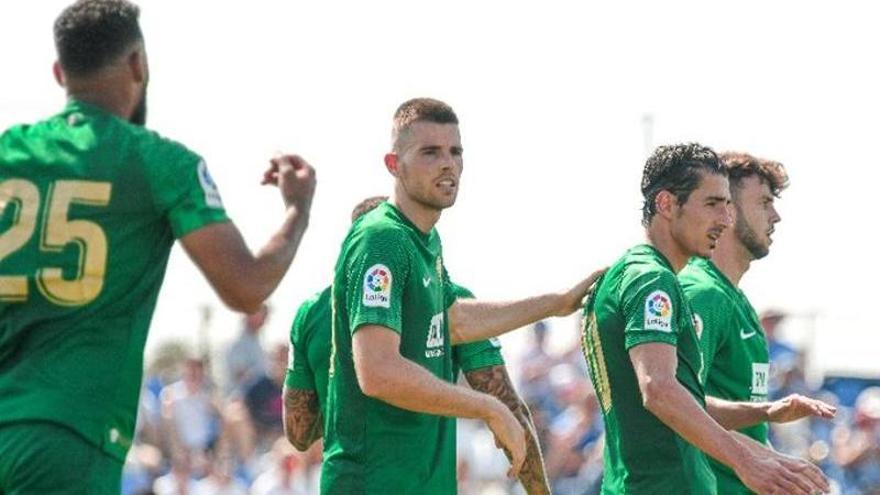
209, 187
377, 287
658, 312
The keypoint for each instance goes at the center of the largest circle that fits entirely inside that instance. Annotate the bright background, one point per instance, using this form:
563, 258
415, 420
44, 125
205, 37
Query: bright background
559, 102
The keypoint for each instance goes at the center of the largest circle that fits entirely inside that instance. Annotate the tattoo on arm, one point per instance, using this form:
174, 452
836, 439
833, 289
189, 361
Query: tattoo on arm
303, 421
495, 381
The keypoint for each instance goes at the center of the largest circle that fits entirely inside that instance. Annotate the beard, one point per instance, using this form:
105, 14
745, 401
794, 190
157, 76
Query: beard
749, 239
139, 115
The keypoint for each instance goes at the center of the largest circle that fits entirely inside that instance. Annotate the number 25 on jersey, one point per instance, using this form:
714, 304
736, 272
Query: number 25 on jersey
56, 231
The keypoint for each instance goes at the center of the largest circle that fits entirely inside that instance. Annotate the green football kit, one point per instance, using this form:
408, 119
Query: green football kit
639, 301
388, 273
310, 343
734, 349
90, 206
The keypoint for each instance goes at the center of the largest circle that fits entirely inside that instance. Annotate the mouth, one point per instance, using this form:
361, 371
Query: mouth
447, 183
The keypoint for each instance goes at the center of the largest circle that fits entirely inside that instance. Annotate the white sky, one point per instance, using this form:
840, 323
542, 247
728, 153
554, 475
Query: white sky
551, 96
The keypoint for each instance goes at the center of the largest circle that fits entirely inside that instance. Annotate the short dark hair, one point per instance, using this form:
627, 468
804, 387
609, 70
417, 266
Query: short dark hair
366, 206
741, 165
421, 110
90, 34
675, 168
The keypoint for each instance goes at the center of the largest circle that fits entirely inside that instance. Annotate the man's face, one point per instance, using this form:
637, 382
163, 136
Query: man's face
699, 222
756, 216
429, 158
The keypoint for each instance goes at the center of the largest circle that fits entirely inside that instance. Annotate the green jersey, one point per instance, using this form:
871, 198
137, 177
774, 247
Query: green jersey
639, 301
389, 273
734, 349
89, 208
310, 343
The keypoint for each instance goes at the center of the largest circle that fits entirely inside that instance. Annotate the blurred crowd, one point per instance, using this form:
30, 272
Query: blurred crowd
214, 426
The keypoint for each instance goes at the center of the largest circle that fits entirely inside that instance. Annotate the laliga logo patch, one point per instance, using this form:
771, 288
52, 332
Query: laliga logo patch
377, 287
658, 312
209, 187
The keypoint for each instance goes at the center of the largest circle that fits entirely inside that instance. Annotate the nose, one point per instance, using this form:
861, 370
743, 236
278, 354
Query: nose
775, 217
727, 216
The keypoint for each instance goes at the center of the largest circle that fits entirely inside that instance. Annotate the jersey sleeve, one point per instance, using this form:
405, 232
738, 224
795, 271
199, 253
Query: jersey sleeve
711, 321
651, 304
452, 291
299, 373
181, 186
378, 270
474, 355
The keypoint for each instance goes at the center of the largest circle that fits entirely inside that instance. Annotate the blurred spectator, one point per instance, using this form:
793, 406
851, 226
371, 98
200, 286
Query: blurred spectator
180, 480
263, 397
245, 359
220, 479
536, 365
857, 449
191, 417
286, 474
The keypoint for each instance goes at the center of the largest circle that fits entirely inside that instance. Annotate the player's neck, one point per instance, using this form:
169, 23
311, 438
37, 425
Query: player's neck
103, 93
662, 240
731, 257
422, 216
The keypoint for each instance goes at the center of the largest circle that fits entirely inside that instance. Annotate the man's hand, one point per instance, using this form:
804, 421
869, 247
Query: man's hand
573, 299
295, 179
509, 436
767, 472
797, 406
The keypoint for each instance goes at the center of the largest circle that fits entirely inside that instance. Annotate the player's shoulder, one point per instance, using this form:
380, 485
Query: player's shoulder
642, 265
702, 282
381, 227
312, 310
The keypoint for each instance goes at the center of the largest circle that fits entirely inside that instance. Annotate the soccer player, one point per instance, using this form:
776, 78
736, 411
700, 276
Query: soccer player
90, 205
390, 399
736, 358
305, 388
644, 355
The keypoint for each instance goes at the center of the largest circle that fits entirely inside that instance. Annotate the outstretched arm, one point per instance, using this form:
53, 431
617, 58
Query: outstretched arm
493, 380
738, 415
471, 319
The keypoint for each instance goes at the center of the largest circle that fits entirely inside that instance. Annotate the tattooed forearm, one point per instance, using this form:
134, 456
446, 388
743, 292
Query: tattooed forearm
303, 422
495, 381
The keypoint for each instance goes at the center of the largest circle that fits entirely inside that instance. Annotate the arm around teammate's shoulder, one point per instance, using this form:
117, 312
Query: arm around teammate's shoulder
473, 319
244, 280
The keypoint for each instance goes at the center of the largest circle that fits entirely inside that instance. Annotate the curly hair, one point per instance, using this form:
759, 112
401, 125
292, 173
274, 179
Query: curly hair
421, 110
90, 34
675, 168
741, 165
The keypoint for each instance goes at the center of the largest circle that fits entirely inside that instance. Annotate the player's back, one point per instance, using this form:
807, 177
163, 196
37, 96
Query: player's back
89, 209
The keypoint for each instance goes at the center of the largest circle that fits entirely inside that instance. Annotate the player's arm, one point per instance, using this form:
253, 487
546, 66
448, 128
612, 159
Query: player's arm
738, 415
493, 380
384, 374
244, 280
760, 469
472, 319
303, 421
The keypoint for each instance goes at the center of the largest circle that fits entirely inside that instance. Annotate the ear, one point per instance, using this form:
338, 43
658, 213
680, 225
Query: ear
665, 203
137, 64
58, 73
392, 164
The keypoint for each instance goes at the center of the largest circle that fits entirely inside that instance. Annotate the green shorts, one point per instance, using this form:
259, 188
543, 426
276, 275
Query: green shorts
47, 458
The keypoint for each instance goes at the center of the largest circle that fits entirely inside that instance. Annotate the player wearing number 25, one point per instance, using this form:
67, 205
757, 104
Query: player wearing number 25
90, 205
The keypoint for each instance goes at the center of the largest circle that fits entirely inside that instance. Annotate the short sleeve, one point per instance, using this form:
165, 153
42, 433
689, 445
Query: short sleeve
452, 291
651, 305
474, 355
181, 186
299, 373
378, 268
